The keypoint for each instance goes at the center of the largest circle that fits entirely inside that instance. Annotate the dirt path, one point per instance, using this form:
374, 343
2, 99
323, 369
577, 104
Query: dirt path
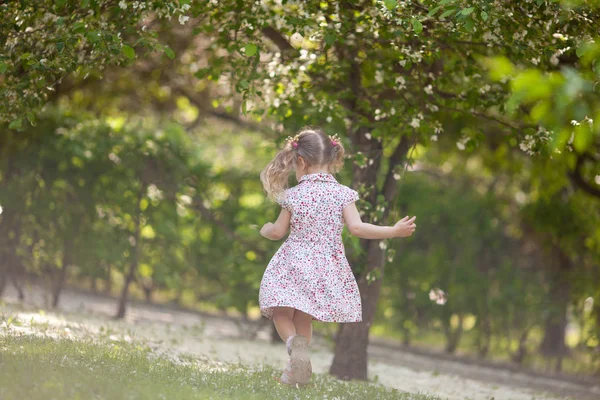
178, 333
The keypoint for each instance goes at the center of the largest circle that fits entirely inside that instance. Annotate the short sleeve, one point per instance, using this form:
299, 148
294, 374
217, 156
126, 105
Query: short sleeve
349, 197
284, 201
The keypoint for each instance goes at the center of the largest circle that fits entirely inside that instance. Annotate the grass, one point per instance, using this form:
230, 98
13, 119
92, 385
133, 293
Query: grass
34, 367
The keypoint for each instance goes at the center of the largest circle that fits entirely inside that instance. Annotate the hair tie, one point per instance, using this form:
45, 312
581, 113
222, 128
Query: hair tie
335, 139
293, 141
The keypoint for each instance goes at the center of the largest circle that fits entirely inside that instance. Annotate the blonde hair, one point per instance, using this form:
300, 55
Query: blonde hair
315, 148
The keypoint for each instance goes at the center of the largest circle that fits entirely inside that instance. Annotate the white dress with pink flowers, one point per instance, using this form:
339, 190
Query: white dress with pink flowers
310, 271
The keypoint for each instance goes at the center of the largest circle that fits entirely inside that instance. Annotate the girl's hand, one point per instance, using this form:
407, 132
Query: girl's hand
405, 227
264, 231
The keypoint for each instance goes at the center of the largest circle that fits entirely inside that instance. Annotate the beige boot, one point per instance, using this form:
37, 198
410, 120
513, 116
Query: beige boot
301, 367
286, 377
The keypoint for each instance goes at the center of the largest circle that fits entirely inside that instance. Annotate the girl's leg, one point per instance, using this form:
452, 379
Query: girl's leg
303, 324
283, 318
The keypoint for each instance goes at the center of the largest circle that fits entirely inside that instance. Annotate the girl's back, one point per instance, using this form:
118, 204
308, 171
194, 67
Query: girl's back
316, 205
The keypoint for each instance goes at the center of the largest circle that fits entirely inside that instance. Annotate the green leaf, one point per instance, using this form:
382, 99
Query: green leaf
128, 51
60, 46
433, 11
244, 84
447, 13
169, 52
499, 67
16, 124
469, 25
92, 36
250, 49
31, 118
390, 4
330, 39
417, 26
484, 15
79, 27
3, 67
467, 11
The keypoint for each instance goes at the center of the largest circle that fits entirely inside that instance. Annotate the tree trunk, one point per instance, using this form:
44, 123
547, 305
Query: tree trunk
485, 336
553, 344
3, 274
350, 358
62, 274
93, 285
19, 286
521, 353
134, 261
453, 336
148, 290
108, 282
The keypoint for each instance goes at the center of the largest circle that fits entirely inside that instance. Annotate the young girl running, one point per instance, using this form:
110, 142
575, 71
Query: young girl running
309, 276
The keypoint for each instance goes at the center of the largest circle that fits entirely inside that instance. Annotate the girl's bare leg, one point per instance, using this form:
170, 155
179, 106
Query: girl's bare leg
303, 324
283, 318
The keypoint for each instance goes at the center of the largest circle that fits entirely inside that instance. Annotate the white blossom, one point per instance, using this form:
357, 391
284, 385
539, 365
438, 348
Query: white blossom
400, 83
575, 122
461, 144
438, 295
428, 89
415, 123
154, 193
434, 138
559, 36
123, 5
183, 19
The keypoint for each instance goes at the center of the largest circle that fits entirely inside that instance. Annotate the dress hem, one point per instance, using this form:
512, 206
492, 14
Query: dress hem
267, 312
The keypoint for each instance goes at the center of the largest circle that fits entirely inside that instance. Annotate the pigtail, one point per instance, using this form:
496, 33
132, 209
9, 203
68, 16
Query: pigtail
276, 174
336, 159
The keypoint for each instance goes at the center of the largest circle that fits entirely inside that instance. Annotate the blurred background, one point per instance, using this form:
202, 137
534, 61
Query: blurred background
136, 174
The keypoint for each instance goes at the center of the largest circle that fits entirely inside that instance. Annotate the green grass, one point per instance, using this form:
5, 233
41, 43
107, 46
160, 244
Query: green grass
45, 368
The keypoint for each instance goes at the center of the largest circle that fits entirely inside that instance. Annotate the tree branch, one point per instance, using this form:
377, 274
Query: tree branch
578, 179
391, 184
278, 39
488, 117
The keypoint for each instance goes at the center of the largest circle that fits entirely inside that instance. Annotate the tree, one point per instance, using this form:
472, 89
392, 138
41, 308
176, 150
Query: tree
389, 74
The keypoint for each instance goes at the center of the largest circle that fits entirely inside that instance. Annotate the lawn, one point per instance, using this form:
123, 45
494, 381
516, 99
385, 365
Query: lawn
40, 367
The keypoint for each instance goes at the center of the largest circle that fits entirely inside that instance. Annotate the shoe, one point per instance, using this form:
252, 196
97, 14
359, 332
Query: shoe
301, 367
287, 376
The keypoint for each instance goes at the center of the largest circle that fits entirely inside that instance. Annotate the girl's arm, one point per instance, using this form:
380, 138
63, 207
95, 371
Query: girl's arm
403, 228
279, 229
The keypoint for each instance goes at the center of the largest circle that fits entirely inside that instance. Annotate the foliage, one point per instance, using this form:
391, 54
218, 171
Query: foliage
48, 41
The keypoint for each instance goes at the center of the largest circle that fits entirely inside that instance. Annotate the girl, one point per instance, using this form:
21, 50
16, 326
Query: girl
309, 276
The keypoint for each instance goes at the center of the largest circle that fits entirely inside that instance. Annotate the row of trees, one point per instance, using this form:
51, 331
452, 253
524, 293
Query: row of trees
97, 197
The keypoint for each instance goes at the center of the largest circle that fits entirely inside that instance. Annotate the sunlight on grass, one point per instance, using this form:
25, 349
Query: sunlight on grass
41, 368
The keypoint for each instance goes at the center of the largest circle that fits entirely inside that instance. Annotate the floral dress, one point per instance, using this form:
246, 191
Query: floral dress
310, 271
